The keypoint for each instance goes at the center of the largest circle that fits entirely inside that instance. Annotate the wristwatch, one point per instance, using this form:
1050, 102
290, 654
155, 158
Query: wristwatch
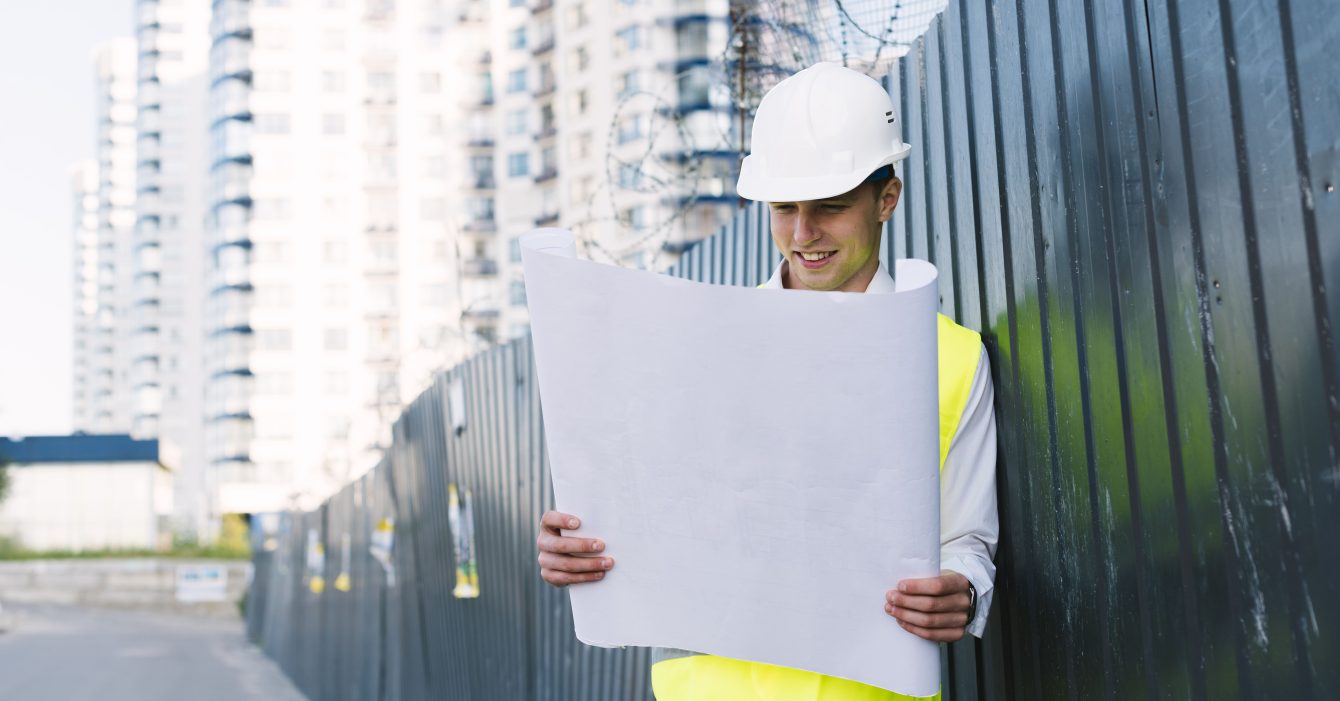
972, 604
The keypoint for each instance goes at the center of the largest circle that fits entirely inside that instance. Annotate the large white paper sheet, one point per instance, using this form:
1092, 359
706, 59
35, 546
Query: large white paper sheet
762, 464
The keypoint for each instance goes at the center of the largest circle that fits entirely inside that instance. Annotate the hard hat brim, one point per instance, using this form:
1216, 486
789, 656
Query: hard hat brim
761, 187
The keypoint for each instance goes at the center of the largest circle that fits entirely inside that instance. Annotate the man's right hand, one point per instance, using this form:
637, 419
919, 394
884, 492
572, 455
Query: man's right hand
559, 563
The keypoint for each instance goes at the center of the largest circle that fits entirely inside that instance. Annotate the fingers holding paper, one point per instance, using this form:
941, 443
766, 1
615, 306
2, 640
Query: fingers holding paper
567, 560
934, 608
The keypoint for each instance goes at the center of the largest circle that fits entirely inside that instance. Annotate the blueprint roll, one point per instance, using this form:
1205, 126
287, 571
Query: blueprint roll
743, 435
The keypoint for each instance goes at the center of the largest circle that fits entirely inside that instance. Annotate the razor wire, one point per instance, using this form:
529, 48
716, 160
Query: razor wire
766, 42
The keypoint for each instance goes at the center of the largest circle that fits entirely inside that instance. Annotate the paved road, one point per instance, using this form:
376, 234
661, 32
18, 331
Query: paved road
69, 654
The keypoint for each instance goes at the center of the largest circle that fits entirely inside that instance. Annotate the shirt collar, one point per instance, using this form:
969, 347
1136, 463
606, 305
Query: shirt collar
881, 283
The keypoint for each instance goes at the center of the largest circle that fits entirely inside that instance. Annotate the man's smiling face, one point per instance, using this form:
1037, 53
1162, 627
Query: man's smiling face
833, 243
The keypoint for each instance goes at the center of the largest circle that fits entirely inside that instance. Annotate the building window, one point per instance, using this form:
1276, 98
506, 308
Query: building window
272, 81
580, 148
632, 128
577, 16
634, 217
518, 38
384, 251
577, 102
518, 165
337, 382
332, 81
336, 252
516, 81
436, 295
271, 123
628, 39
435, 167
332, 40
336, 339
272, 383
518, 292
481, 208
514, 250
628, 84
273, 296
269, 38
433, 209
272, 209
332, 123
516, 122
581, 58
274, 339
336, 295
435, 125
630, 176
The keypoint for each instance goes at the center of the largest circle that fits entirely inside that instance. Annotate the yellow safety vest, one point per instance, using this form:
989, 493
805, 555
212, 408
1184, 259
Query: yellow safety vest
712, 678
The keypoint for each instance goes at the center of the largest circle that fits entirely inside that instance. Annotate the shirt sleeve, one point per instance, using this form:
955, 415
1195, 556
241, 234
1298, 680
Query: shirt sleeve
969, 524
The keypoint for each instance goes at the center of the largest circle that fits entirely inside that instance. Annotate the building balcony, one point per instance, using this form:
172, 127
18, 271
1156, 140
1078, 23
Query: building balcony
147, 71
544, 176
479, 141
546, 133
484, 59
149, 94
147, 16
381, 269
480, 315
477, 100
547, 219
233, 59
480, 226
479, 267
148, 40
545, 46
545, 89
231, 18
539, 6
481, 182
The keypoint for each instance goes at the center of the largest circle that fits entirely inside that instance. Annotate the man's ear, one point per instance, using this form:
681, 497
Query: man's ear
887, 197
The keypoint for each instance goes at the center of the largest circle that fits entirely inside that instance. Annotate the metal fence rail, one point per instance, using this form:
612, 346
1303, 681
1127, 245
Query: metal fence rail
1135, 202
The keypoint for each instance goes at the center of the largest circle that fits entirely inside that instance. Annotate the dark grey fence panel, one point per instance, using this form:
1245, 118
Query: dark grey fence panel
1135, 203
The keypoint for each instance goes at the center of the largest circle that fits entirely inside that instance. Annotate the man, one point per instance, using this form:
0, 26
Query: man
824, 144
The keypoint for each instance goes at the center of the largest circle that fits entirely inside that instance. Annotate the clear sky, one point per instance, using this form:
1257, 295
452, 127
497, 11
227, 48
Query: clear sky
46, 86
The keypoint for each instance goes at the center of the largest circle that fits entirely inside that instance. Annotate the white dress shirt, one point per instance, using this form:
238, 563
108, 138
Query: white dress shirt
969, 525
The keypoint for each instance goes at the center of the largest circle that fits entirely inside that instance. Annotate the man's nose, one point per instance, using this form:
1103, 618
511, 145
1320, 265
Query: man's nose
804, 231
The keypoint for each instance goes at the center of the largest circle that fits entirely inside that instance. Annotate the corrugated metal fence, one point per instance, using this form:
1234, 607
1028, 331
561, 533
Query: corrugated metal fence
1135, 202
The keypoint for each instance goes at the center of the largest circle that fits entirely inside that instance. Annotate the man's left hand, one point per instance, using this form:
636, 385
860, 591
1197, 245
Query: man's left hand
934, 608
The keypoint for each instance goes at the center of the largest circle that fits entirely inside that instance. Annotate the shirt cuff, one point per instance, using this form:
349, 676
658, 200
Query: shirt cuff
981, 581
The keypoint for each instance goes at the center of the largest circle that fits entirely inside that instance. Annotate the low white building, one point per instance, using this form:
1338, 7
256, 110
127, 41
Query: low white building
85, 492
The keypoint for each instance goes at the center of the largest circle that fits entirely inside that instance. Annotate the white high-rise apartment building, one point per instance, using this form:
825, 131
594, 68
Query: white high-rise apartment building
169, 264
84, 201
608, 126
330, 194
334, 271
102, 354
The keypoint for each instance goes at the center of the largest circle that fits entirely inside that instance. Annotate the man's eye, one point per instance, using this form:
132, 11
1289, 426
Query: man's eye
834, 207
783, 208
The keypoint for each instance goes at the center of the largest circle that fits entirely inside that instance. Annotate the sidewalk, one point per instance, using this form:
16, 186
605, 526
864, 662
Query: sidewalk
63, 653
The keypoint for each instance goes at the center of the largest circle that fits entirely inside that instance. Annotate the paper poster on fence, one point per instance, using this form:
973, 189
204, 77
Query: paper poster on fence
762, 464
316, 562
383, 546
461, 518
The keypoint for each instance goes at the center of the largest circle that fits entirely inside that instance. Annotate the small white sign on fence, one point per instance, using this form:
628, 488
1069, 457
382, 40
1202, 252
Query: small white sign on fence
202, 583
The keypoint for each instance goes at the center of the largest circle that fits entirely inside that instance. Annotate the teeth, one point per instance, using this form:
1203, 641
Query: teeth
815, 256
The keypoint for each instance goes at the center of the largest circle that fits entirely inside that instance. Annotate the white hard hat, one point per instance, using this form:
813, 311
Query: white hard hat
818, 134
